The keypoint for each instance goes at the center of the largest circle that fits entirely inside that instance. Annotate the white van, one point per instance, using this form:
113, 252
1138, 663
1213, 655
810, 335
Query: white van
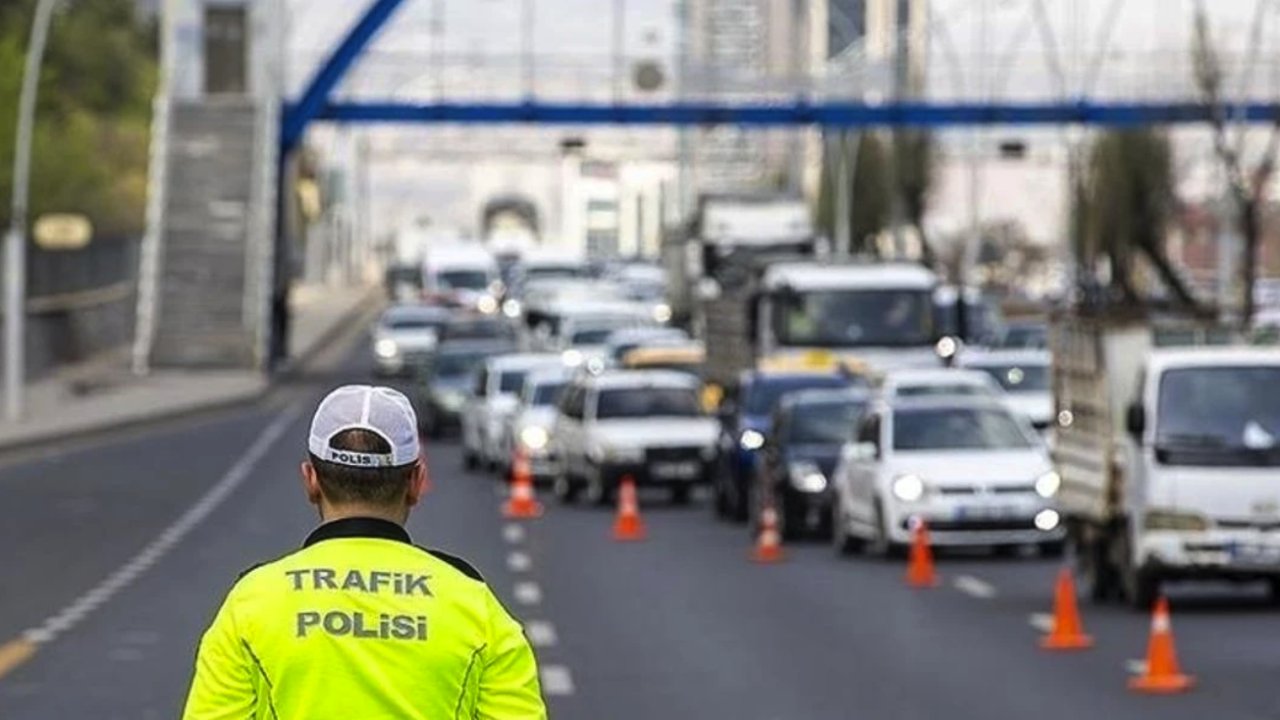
461, 275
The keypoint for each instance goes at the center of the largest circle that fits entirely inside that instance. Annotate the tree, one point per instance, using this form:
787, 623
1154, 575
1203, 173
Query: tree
1246, 183
869, 201
913, 158
1126, 206
93, 119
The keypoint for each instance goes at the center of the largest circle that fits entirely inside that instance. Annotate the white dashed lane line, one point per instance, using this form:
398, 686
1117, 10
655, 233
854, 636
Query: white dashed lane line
1041, 621
519, 562
556, 680
513, 533
541, 633
528, 593
1136, 667
973, 587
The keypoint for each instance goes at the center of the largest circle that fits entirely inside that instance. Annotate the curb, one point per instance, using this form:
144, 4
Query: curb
259, 392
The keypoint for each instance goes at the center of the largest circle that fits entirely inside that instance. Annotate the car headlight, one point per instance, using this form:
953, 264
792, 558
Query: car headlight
511, 308
807, 477
662, 313
534, 437
751, 440
386, 348
1175, 520
908, 488
572, 358
487, 305
1047, 485
452, 400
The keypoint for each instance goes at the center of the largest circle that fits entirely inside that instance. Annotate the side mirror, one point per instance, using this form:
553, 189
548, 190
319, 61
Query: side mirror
863, 451
1135, 421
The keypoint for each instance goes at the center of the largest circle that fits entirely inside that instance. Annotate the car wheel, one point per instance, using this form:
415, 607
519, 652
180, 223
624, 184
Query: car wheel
789, 526
740, 503
1099, 575
469, 459
680, 494
719, 503
844, 543
565, 489
1273, 590
882, 546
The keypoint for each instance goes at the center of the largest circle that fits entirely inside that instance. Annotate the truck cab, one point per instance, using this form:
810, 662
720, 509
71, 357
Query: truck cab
1170, 460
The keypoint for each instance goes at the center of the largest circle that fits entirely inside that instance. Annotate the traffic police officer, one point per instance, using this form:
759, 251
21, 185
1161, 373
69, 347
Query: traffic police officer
359, 622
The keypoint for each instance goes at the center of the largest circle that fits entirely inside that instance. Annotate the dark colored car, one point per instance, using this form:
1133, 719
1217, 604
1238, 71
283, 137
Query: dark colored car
444, 380
799, 458
745, 418
1025, 335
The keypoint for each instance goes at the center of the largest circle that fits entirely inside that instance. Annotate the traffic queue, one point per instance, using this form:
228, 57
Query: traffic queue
819, 399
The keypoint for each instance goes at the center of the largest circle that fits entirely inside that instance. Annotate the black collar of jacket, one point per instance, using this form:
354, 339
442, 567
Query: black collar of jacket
358, 527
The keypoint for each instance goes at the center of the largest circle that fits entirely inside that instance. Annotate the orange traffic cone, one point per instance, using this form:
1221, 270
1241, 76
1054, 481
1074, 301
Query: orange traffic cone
920, 572
768, 547
1162, 676
1067, 632
521, 503
627, 526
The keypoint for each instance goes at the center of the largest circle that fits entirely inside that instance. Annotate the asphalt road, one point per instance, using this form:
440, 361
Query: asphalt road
115, 554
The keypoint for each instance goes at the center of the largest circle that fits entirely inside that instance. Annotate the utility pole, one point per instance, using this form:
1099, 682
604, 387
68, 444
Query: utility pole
15, 241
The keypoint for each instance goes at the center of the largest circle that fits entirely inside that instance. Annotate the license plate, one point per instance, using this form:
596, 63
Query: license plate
983, 512
681, 470
1251, 554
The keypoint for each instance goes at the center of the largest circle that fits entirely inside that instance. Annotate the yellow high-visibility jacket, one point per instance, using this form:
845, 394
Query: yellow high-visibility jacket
360, 624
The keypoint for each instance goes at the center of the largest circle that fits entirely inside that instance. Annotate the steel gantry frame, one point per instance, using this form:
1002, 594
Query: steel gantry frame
316, 104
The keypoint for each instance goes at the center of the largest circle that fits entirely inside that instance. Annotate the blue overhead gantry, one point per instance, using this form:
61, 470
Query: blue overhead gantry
315, 105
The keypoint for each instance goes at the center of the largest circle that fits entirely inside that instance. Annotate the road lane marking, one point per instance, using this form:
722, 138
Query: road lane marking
541, 633
973, 587
556, 680
1136, 667
528, 593
18, 651
513, 532
519, 562
1041, 621
14, 653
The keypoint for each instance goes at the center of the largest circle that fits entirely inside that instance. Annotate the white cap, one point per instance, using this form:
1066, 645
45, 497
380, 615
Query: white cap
382, 411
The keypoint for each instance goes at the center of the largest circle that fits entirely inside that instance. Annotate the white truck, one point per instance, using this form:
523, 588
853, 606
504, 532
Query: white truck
1169, 457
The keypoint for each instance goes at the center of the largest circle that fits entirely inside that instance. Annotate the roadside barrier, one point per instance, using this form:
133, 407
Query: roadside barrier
627, 526
768, 547
1162, 675
522, 503
1068, 632
920, 570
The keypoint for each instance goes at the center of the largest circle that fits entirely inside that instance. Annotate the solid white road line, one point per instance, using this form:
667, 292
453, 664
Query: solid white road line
541, 633
82, 606
528, 593
513, 533
973, 587
556, 680
1041, 621
519, 562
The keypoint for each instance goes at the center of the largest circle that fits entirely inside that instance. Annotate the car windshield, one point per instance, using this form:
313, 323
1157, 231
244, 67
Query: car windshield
1221, 416
456, 364
463, 279
547, 394
1025, 336
412, 323
958, 428
552, 272
590, 336
478, 330
936, 389
1019, 378
861, 318
762, 395
511, 381
639, 402
825, 423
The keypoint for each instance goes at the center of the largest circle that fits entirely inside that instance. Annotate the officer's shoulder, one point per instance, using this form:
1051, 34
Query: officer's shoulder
455, 562
247, 575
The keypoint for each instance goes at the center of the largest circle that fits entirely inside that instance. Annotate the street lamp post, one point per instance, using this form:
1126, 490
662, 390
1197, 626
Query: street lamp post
15, 241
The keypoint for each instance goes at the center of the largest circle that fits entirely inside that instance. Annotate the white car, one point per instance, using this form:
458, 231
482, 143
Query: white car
647, 425
528, 428
974, 471
494, 396
1024, 375
404, 336
939, 381
582, 335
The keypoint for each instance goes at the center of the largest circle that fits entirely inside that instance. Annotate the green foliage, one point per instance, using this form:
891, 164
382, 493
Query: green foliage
869, 206
93, 116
